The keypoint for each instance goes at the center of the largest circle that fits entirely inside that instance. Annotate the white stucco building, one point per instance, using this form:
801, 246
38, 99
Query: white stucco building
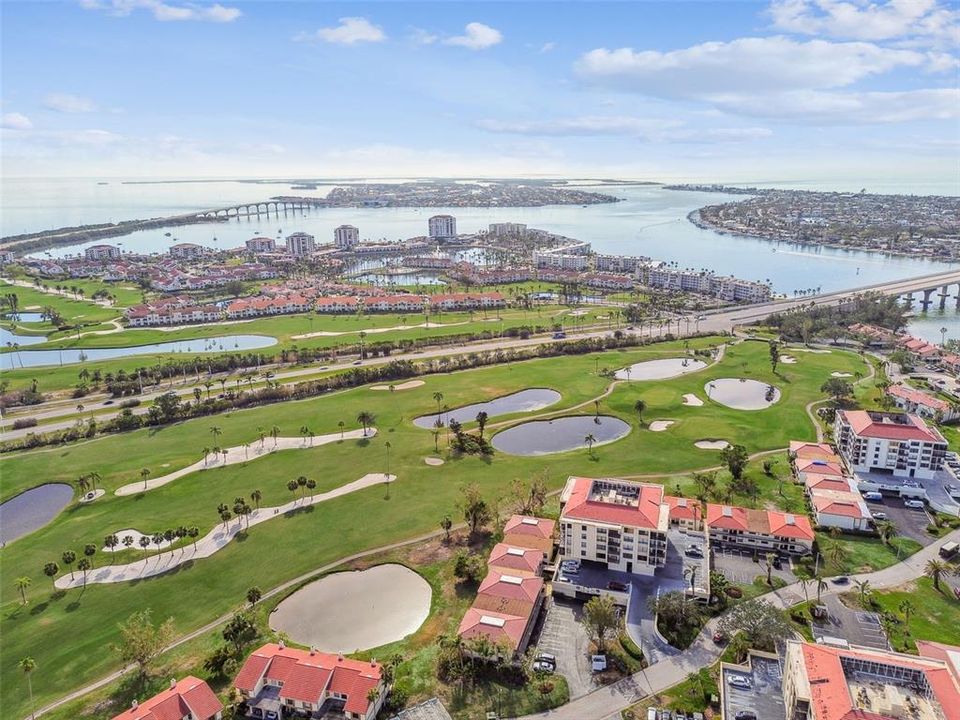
892, 443
346, 237
442, 227
300, 243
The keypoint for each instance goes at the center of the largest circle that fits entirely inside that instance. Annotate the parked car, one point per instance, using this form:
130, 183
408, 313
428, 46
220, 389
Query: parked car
879, 515
693, 551
840, 580
873, 496
598, 663
547, 658
617, 586
356, 362
559, 335
739, 681
745, 715
777, 562
914, 504
543, 667
651, 713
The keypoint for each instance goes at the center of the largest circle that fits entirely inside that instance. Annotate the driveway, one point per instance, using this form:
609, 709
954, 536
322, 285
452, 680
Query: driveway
910, 523
564, 636
855, 626
738, 567
765, 696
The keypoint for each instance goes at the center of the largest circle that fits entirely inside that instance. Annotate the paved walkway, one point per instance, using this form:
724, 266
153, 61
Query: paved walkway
241, 454
212, 541
607, 702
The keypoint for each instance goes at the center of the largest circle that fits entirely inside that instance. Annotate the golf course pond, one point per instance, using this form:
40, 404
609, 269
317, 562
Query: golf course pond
742, 394
225, 343
352, 611
542, 437
660, 369
522, 401
32, 509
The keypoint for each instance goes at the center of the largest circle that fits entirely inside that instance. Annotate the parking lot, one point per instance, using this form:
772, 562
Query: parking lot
910, 523
764, 697
563, 635
738, 566
855, 626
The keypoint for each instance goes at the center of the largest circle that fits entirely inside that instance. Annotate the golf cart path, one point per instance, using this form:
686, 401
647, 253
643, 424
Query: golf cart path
210, 543
241, 454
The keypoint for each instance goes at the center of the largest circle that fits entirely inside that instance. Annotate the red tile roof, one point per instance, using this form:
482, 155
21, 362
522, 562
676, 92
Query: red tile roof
918, 397
811, 450
506, 557
190, 695
647, 512
511, 587
820, 467
527, 525
815, 481
496, 626
847, 504
878, 425
763, 522
683, 508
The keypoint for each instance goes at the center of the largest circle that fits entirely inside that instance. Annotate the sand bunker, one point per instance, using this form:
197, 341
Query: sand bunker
136, 535
350, 611
91, 495
840, 374
788, 360
435, 462
712, 444
660, 425
408, 385
742, 394
813, 350
692, 400
660, 369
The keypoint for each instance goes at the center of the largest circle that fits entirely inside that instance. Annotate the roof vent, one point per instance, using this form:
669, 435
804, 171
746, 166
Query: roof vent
681, 502
373, 662
313, 650
173, 683
134, 705
515, 551
339, 657
281, 644
790, 520
530, 521
512, 579
492, 621
727, 511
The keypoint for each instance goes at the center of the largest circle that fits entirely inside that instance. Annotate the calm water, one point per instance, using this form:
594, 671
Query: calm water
24, 317
542, 437
523, 401
32, 509
7, 337
651, 221
226, 343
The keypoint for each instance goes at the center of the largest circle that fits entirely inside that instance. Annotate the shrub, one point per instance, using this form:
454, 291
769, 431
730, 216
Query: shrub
132, 402
24, 423
734, 592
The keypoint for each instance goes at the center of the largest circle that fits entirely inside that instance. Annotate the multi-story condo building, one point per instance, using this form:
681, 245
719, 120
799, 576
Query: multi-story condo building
442, 227
102, 252
285, 681
346, 237
190, 698
561, 261
766, 531
506, 229
927, 406
620, 524
890, 443
830, 682
187, 251
300, 243
261, 245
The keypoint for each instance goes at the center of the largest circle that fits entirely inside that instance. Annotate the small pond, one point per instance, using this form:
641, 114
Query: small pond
660, 369
523, 401
24, 317
541, 437
226, 343
742, 394
350, 611
7, 338
32, 509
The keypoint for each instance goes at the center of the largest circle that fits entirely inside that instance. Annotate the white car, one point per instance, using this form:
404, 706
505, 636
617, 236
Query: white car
739, 681
598, 663
914, 504
879, 515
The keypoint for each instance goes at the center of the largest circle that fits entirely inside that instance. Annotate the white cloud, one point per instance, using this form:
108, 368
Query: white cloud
894, 19
476, 36
657, 130
547, 47
420, 36
350, 31
166, 12
67, 103
15, 121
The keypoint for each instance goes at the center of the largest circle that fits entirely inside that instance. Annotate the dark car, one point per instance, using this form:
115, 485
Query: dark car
108, 402
777, 562
745, 715
840, 580
617, 585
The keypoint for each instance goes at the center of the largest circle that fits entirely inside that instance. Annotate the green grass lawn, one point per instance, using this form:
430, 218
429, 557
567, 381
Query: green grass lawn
934, 615
864, 554
69, 633
73, 310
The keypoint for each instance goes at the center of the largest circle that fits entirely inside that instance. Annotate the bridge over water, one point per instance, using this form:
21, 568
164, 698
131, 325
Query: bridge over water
265, 207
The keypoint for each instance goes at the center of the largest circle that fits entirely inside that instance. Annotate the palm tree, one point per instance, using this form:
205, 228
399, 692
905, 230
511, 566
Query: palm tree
193, 532
821, 586
640, 406
128, 541
144, 543
365, 419
446, 524
340, 425
22, 583
28, 665
90, 550
864, 590
886, 530
589, 440
438, 397
83, 566
50, 570
94, 478
301, 484
216, 432
292, 486
275, 433
144, 474
110, 542
481, 422
936, 570
157, 540
907, 608
690, 571
838, 554
206, 453
256, 496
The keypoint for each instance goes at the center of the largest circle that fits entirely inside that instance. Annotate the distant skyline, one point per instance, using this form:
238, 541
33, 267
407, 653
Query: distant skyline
820, 90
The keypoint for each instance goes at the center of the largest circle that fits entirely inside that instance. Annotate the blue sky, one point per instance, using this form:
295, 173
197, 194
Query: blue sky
719, 91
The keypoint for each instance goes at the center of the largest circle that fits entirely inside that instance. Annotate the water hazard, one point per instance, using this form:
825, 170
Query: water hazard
523, 401
32, 509
542, 437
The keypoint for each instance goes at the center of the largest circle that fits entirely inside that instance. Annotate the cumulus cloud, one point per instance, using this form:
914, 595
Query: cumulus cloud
350, 31
895, 19
647, 129
476, 36
166, 12
15, 121
67, 103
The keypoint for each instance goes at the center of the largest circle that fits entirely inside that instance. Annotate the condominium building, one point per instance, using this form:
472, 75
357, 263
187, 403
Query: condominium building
617, 523
261, 245
891, 443
829, 682
530, 532
522, 561
911, 400
190, 698
767, 531
300, 243
506, 229
283, 681
442, 227
187, 251
561, 261
346, 237
102, 252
